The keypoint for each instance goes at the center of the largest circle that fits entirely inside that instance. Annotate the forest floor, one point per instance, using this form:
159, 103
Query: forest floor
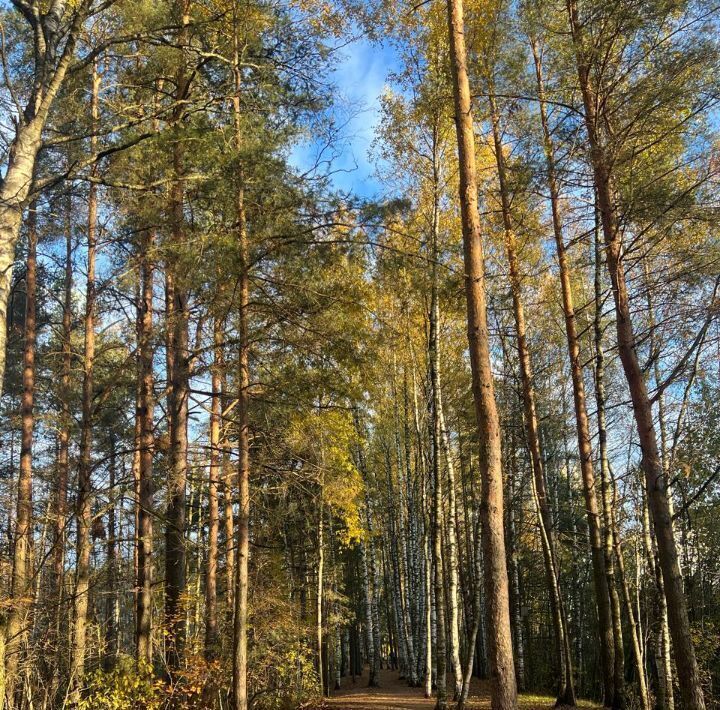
395, 694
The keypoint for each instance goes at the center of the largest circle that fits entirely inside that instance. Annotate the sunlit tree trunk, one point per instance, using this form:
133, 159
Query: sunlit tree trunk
240, 656
475, 631
63, 457
211, 623
14, 190
662, 651
608, 485
21, 589
51, 64
502, 668
229, 487
371, 582
452, 546
112, 602
369, 602
428, 635
84, 496
243, 548
513, 566
565, 686
437, 518
179, 378
656, 484
602, 594
145, 444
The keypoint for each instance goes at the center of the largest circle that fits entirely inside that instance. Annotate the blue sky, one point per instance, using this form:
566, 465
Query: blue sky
360, 75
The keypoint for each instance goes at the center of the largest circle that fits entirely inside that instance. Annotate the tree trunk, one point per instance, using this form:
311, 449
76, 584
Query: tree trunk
21, 590
179, 375
319, 594
369, 631
228, 488
437, 518
177, 474
146, 442
570, 324
63, 457
427, 549
612, 693
399, 551
514, 569
452, 546
665, 692
566, 692
240, 658
16, 184
476, 629
84, 496
612, 531
112, 603
502, 668
656, 484
211, 624
14, 190
371, 594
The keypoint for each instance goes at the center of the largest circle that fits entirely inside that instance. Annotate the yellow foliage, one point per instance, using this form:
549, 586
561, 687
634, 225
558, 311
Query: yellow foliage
127, 686
326, 439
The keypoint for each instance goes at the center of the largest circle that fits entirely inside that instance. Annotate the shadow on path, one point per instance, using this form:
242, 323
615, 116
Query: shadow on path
395, 694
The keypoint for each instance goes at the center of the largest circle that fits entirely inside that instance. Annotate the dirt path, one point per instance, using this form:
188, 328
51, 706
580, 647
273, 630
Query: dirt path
394, 694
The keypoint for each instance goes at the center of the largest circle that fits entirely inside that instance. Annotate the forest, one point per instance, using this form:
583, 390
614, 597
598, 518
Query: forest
315, 402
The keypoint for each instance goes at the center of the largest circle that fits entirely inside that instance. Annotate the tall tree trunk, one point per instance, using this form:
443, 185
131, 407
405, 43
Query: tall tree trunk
146, 442
63, 457
178, 395
566, 692
240, 657
656, 483
612, 531
570, 319
399, 551
659, 636
452, 546
371, 590
441, 444
16, 184
211, 623
320, 593
635, 633
502, 668
112, 602
179, 375
14, 190
474, 632
229, 479
665, 692
428, 595
606, 496
437, 518
513, 567
21, 590
84, 495
369, 602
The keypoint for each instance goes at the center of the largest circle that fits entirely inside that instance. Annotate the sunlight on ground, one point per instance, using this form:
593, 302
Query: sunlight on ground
395, 694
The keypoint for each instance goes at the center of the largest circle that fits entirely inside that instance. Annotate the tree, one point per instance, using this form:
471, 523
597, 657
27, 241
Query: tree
504, 693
